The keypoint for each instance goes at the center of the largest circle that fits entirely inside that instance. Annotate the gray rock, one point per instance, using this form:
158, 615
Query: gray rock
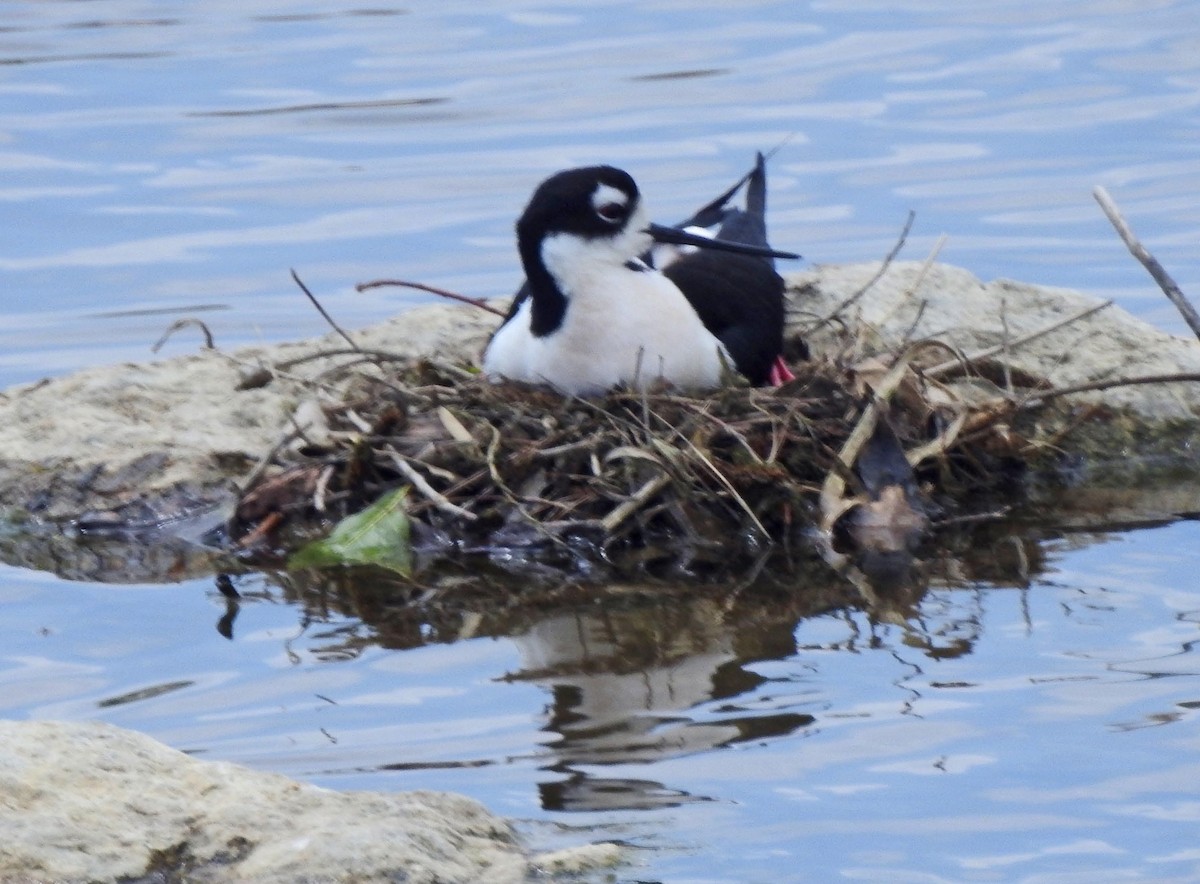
93, 802
162, 437
950, 305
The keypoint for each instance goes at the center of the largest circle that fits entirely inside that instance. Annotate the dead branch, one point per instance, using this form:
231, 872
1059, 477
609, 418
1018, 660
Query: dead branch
1169, 287
883, 268
989, 352
624, 510
419, 482
313, 298
433, 290
1094, 386
184, 323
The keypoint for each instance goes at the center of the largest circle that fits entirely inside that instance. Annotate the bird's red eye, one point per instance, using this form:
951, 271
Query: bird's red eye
611, 212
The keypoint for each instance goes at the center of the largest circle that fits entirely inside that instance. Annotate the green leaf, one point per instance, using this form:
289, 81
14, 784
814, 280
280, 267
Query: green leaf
379, 535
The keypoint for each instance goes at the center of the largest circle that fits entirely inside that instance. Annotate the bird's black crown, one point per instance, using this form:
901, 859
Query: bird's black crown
565, 203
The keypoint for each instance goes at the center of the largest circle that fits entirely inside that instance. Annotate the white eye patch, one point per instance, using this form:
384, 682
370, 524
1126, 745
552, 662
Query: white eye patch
610, 203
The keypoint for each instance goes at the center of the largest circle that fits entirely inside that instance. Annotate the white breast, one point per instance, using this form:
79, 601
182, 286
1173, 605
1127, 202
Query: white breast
620, 327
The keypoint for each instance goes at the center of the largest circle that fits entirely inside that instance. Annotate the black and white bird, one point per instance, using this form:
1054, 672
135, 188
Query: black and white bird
605, 301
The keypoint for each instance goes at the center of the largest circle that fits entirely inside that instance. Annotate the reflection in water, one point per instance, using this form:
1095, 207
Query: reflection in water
643, 672
738, 719
623, 683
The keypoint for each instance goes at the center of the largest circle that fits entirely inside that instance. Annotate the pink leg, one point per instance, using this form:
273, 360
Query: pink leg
780, 373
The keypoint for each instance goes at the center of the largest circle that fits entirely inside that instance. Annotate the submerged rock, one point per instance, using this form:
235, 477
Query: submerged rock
93, 802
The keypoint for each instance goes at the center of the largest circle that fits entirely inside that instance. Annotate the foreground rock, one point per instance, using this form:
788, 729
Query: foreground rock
93, 802
142, 443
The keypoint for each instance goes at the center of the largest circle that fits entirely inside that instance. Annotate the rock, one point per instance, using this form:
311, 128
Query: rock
157, 439
951, 305
137, 445
93, 802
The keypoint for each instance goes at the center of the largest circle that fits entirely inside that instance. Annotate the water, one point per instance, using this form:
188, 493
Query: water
162, 162
166, 161
1003, 732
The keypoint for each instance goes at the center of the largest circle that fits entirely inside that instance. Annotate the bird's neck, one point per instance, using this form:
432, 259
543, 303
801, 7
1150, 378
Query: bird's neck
549, 303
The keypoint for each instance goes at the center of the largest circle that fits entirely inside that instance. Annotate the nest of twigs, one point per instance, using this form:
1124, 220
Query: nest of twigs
880, 444
709, 479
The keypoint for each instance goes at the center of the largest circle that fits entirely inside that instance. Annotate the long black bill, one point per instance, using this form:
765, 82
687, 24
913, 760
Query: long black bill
678, 237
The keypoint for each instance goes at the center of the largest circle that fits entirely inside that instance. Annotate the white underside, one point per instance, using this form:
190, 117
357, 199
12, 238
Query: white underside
621, 327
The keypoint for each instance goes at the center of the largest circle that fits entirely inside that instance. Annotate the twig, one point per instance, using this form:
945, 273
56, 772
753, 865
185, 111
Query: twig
703, 413
377, 355
565, 448
322, 488
1092, 386
255, 474
916, 283
1169, 287
887, 261
724, 480
833, 500
1004, 343
433, 290
337, 328
502, 486
184, 323
419, 482
987, 353
906, 339
620, 513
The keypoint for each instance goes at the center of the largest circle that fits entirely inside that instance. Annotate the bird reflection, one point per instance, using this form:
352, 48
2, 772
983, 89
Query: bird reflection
632, 686
636, 673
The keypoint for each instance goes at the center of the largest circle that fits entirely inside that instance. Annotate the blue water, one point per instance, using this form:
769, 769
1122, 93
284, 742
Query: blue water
166, 160
181, 159
1003, 733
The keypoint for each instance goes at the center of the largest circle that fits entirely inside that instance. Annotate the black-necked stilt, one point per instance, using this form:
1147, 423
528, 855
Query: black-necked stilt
594, 311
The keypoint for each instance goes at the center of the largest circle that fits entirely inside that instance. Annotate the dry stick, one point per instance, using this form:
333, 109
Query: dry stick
915, 285
433, 290
1015, 342
1093, 386
912, 290
623, 511
720, 477
724, 480
833, 502
1008, 387
1035, 399
337, 328
704, 413
379, 355
184, 323
419, 482
906, 339
509, 494
887, 261
259, 469
265, 461
322, 488
1169, 287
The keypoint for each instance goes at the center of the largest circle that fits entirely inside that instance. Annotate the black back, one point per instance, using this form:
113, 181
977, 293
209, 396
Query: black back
739, 298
